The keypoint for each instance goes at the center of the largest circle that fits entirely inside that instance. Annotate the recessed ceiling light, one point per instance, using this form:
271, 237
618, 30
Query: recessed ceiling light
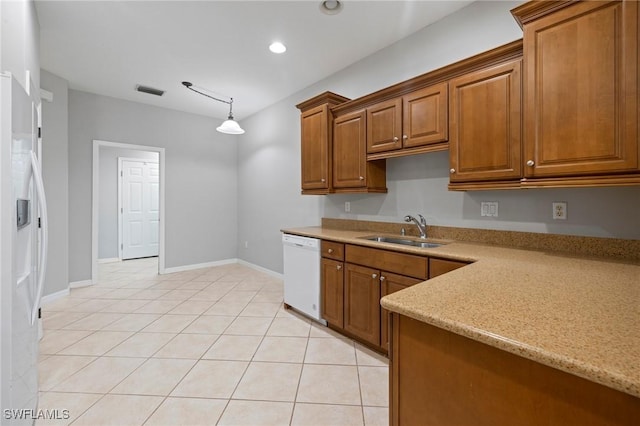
277, 47
331, 7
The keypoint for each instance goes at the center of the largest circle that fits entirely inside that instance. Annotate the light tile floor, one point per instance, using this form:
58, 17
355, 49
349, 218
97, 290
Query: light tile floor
203, 347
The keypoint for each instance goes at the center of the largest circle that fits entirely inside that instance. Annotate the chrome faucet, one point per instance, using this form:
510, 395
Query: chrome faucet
421, 224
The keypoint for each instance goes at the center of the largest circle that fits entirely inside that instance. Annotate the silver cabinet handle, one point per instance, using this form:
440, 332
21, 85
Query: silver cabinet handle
361, 177
530, 163
395, 139
452, 171
338, 267
330, 251
374, 276
382, 278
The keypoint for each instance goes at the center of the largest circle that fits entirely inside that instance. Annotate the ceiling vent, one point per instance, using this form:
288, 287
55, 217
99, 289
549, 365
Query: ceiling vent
149, 90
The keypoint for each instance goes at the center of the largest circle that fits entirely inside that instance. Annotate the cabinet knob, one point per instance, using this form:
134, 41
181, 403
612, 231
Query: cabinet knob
530, 163
361, 177
452, 171
330, 251
374, 276
405, 137
382, 278
338, 267
322, 180
395, 139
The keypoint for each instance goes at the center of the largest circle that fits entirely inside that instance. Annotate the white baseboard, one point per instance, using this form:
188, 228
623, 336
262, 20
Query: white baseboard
109, 260
198, 266
77, 284
53, 296
261, 269
220, 263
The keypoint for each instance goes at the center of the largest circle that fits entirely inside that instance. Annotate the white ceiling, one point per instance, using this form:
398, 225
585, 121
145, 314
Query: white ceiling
107, 47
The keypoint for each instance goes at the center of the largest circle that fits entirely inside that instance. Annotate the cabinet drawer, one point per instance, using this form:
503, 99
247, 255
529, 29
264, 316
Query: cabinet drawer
332, 250
399, 263
441, 266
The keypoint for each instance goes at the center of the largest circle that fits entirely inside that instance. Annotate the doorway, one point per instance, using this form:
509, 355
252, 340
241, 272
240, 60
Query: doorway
138, 208
107, 236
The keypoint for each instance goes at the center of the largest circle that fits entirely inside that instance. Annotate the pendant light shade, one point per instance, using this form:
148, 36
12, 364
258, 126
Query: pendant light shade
229, 126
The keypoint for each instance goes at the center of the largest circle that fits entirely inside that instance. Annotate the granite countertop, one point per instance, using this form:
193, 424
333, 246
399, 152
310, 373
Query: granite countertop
579, 315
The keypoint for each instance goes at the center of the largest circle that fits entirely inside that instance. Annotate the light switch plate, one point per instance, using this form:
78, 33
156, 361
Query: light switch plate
489, 208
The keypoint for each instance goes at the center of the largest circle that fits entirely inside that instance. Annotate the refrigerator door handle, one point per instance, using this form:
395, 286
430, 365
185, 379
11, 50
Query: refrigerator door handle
35, 166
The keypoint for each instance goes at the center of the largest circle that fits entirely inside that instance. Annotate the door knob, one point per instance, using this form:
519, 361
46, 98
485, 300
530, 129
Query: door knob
530, 163
374, 276
395, 139
405, 137
382, 278
361, 177
338, 267
452, 171
330, 251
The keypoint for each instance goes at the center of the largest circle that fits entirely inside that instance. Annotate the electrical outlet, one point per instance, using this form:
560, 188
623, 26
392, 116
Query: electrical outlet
559, 210
347, 206
489, 208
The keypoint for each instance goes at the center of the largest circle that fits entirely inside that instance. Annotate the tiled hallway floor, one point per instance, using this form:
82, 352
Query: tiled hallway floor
203, 347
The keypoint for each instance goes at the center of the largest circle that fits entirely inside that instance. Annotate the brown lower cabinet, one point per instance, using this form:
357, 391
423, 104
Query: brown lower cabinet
332, 288
442, 266
362, 302
390, 283
355, 278
441, 378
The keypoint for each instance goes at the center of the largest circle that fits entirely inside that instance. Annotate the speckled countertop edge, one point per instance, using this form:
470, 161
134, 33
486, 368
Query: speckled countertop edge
622, 375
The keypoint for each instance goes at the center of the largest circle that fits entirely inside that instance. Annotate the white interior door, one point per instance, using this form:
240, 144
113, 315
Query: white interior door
140, 208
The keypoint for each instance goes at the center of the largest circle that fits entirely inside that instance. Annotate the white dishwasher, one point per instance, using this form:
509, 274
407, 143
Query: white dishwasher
302, 274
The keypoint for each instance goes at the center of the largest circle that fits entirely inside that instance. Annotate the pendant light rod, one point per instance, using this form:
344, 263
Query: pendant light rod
229, 126
193, 89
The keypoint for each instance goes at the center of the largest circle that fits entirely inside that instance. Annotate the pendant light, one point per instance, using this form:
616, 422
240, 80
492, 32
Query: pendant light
229, 126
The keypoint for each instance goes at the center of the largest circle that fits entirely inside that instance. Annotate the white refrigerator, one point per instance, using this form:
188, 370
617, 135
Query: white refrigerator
23, 244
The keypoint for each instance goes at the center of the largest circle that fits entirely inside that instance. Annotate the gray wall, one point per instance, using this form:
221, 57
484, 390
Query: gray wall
269, 157
200, 173
55, 172
108, 200
20, 40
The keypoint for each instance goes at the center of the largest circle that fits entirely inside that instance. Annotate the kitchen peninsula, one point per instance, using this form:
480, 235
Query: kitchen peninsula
516, 334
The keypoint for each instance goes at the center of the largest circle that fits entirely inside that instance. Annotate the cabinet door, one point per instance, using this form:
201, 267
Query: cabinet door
384, 126
425, 116
315, 148
349, 151
581, 79
362, 302
485, 117
332, 287
390, 283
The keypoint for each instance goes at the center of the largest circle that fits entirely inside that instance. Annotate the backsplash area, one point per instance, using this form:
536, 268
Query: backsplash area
612, 248
418, 184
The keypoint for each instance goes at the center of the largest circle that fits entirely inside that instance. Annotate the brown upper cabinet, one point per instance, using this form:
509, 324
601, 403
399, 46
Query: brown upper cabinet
316, 124
411, 124
485, 133
558, 108
581, 92
351, 170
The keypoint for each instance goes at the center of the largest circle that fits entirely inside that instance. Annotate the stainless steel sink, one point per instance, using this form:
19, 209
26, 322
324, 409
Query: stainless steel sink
402, 241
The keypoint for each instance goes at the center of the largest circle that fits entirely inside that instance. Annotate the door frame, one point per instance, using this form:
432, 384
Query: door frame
95, 197
120, 203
